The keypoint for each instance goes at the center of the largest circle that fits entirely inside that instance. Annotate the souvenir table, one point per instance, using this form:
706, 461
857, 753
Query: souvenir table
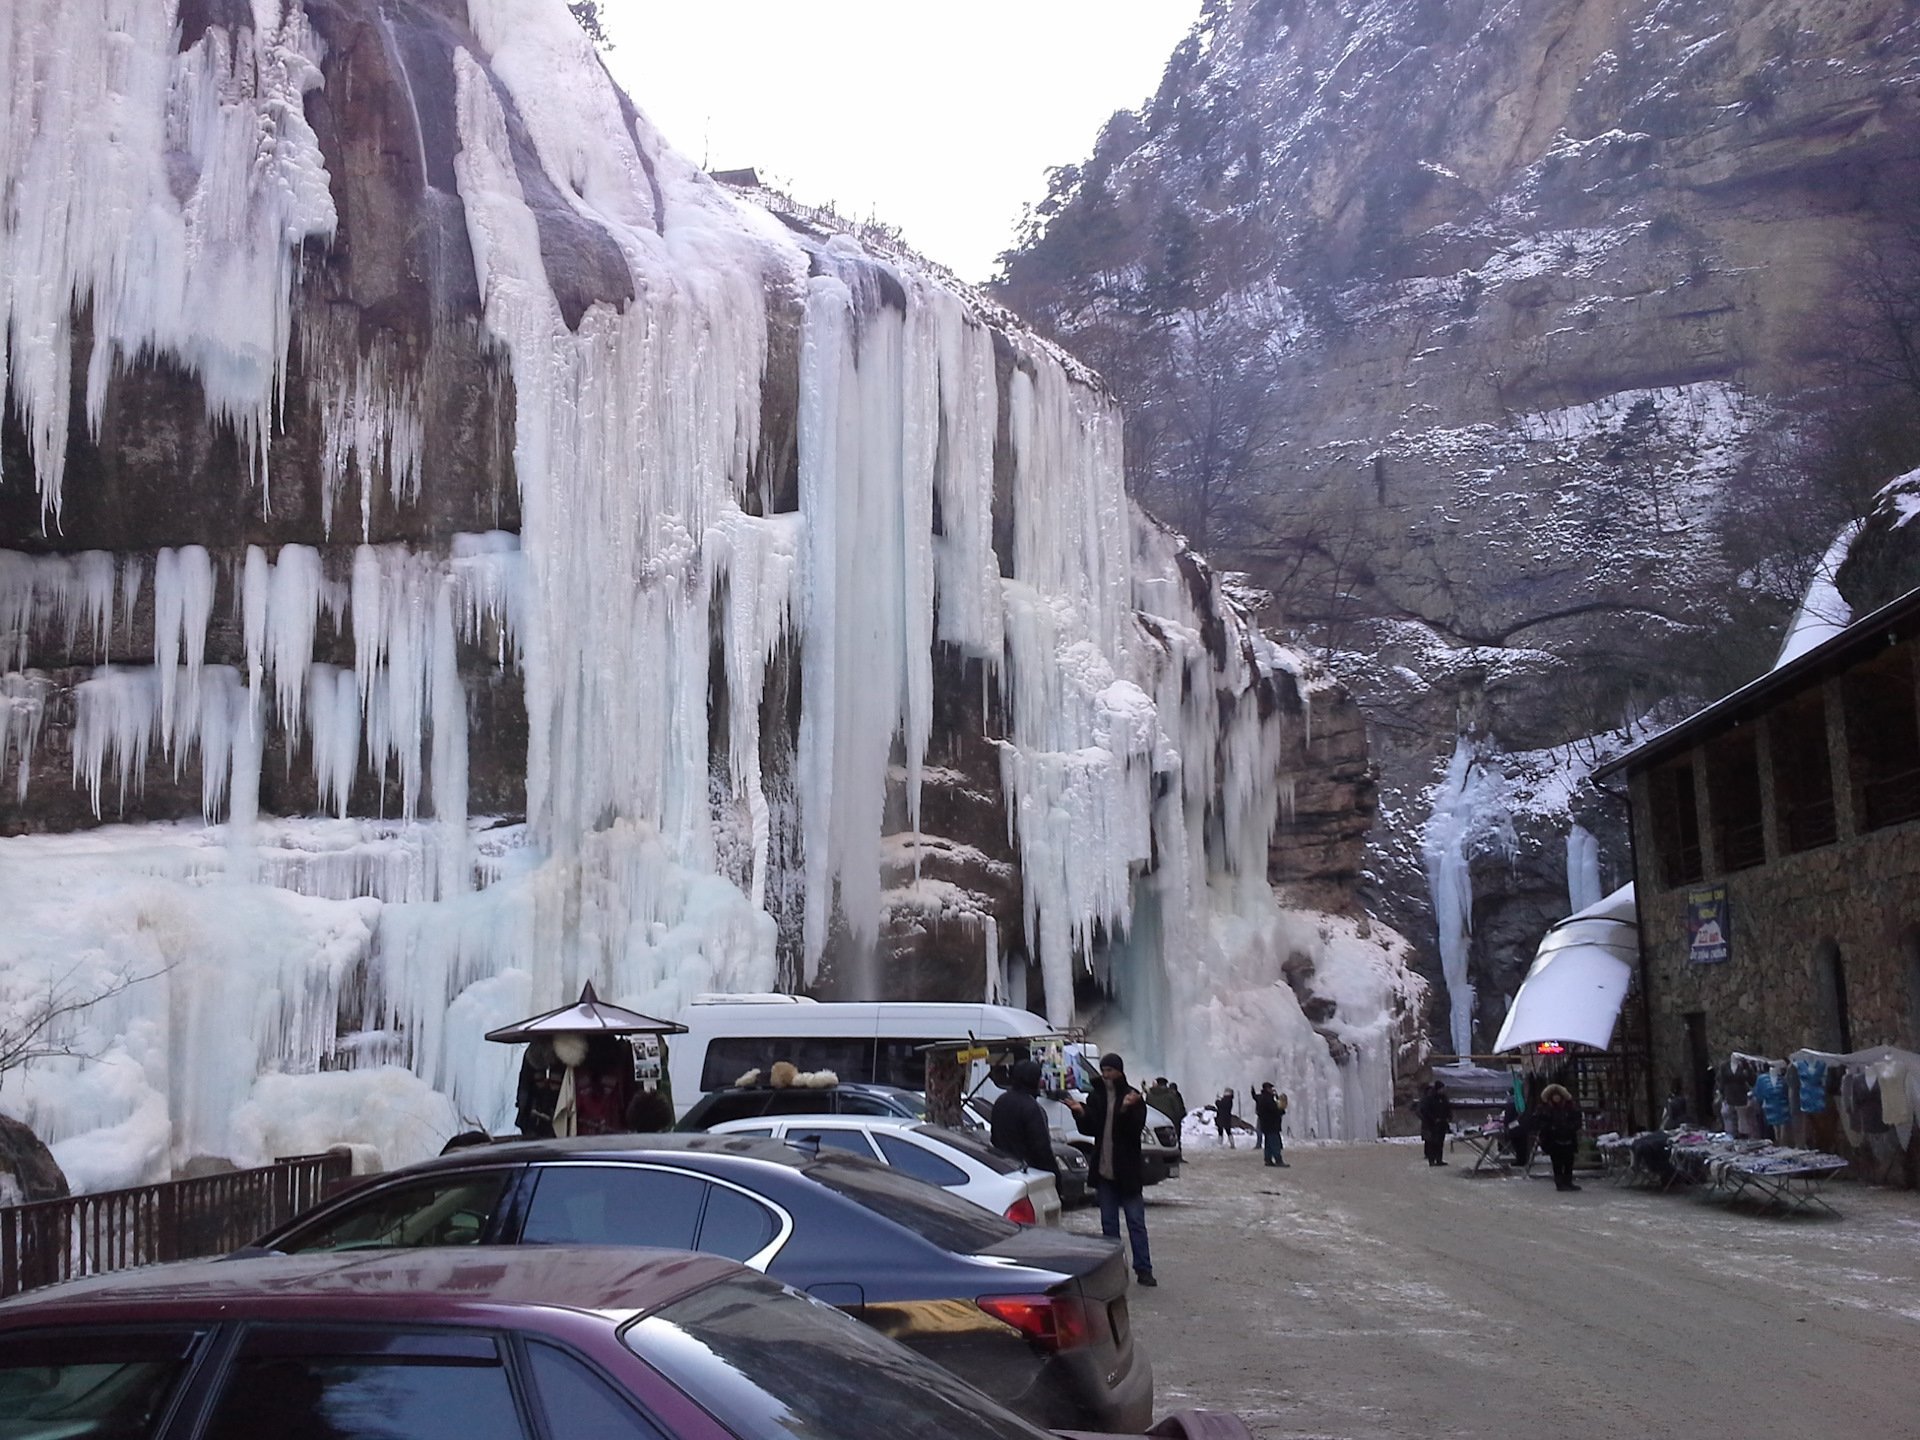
1775, 1175
1489, 1145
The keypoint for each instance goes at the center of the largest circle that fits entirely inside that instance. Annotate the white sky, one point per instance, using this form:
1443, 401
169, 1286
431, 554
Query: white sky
940, 120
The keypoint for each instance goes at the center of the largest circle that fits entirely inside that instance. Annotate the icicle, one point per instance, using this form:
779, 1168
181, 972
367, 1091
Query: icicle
449, 700
256, 598
182, 605
490, 573
223, 710
23, 709
293, 613
116, 713
333, 707
132, 575
16, 607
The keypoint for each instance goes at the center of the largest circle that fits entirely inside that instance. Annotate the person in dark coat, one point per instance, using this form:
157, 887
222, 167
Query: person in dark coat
1435, 1109
1115, 1115
1557, 1129
1223, 1117
538, 1091
1163, 1097
1673, 1116
1269, 1111
1020, 1126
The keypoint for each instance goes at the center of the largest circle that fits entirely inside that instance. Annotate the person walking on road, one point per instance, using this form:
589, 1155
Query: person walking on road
1435, 1109
1115, 1115
1019, 1125
1269, 1110
1223, 1117
1557, 1130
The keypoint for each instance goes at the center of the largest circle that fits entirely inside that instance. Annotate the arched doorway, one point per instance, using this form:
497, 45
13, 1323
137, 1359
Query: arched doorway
1830, 986
1909, 950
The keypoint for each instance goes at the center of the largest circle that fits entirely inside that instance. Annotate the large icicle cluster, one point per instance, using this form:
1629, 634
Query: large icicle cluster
171, 191
1144, 730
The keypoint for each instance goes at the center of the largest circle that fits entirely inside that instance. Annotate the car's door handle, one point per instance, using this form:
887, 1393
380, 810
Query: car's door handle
839, 1294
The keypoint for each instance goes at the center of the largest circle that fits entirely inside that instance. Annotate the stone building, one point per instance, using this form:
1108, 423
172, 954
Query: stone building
1777, 860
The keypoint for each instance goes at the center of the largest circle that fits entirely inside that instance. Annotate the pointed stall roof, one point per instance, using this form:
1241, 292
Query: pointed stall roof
589, 1015
1579, 978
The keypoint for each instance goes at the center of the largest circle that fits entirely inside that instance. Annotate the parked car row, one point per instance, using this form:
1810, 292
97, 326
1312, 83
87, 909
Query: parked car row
955, 1160
710, 1283
1034, 1317
476, 1344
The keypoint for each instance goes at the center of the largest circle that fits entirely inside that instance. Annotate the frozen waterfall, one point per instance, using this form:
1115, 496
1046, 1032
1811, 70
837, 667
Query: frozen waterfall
273, 982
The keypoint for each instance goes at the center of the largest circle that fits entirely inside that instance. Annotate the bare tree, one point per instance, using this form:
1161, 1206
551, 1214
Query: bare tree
37, 1030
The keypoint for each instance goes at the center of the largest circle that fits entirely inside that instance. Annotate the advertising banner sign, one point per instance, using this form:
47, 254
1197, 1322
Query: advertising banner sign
1709, 926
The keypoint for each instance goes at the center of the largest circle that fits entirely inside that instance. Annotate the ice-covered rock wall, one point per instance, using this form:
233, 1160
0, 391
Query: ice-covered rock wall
474, 552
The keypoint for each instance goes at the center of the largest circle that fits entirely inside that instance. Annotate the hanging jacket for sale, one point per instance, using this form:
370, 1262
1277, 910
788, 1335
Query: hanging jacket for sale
1813, 1085
1770, 1092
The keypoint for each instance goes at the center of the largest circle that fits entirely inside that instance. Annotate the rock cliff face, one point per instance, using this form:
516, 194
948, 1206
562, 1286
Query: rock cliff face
477, 553
1496, 341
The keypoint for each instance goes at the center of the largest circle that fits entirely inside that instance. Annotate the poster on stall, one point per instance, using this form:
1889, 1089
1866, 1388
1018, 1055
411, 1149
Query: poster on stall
1709, 926
1054, 1076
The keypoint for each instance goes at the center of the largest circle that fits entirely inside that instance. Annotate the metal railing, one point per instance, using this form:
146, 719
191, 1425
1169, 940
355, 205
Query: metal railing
48, 1241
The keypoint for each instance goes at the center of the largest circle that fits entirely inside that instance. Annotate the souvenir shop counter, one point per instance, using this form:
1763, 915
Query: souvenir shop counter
1492, 1147
1781, 1177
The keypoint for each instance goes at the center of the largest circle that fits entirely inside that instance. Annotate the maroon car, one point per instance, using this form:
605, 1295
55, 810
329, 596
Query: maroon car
472, 1344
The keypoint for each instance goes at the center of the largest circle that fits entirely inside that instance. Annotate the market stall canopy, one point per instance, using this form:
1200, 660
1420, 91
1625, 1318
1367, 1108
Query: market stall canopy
589, 1015
1579, 978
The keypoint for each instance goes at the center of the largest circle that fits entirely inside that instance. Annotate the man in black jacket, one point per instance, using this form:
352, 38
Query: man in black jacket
1435, 1109
1270, 1112
1115, 1116
1020, 1126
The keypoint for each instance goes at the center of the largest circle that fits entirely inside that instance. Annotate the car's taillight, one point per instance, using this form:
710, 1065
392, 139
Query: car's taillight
1021, 1212
1053, 1322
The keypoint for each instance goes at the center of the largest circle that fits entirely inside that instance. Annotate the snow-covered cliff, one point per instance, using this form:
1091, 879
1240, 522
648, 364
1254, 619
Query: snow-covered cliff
474, 553
1530, 354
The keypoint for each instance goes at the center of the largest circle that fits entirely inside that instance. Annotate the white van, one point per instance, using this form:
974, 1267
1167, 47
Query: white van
872, 1043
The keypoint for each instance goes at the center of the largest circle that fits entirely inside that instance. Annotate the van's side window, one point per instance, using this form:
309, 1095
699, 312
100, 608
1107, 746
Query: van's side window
729, 1057
902, 1063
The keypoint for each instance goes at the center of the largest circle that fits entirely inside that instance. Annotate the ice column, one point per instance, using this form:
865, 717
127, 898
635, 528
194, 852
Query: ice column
1469, 810
1583, 868
868, 431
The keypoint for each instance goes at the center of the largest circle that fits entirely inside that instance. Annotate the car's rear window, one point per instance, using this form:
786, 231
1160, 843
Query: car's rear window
771, 1364
970, 1145
931, 1213
94, 1385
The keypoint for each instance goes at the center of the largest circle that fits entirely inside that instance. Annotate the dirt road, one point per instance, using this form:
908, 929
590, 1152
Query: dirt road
1360, 1294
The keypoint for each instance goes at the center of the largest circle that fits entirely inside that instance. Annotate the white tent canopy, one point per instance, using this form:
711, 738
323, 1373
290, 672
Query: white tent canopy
1579, 978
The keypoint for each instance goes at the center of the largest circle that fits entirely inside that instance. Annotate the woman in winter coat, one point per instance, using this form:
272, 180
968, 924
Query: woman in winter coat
1557, 1130
1223, 1117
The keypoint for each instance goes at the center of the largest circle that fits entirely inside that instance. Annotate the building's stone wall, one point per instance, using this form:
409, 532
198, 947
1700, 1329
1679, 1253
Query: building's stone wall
1857, 898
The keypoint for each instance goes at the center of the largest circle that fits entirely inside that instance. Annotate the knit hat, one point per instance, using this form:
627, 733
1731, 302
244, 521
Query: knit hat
1112, 1061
